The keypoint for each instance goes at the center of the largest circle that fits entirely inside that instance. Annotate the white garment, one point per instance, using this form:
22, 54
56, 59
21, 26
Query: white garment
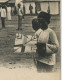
3, 13
9, 13
44, 6
44, 37
20, 12
17, 2
54, 8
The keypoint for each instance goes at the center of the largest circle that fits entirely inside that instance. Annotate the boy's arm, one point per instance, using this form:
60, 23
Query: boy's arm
53, 47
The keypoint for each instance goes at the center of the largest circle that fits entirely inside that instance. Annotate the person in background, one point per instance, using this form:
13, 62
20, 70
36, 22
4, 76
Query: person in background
30, 8
3, 16
36, 10
12, 11
8, 12
47, 43
0, 9
20, 15
23, 11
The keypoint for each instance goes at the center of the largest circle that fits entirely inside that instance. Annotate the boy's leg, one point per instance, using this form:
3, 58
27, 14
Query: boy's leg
20, 22
3, 22
42, 67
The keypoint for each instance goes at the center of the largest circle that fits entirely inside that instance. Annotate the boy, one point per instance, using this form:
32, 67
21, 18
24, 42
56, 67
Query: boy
20, 15
47, 42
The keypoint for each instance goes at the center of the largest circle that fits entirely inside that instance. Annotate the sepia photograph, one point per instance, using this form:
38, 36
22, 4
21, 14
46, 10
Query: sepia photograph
30, 40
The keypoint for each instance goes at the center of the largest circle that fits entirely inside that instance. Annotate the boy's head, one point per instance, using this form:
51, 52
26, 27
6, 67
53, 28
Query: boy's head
35, 24
44, 15
44, 19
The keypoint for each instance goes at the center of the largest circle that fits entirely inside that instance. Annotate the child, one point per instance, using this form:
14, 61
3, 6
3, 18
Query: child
3, 16
47, 43
8, 12
20, 15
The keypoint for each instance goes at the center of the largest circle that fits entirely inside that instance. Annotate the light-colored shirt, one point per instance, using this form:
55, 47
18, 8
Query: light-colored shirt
49, 37
20, 12
3, 13
9, 13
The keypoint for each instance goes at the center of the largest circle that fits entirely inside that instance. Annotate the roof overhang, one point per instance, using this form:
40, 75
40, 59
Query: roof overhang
3, 1
38, 0
13, 1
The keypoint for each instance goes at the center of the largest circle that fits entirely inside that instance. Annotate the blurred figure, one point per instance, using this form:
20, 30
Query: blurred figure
8, 12
23, 11
15, 11
36, 10
18, 2
3, 16
30, 8
0, 9
20, 16
12, 11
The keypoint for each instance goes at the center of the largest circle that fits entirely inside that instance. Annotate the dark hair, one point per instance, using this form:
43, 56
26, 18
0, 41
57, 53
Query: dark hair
41, 21
19, 5
44, 20
35, 24
42, 24
45, 16
3, 6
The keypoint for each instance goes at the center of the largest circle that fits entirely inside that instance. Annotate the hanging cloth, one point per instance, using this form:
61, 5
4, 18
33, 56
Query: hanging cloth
9, 13
54, 8
44, 6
